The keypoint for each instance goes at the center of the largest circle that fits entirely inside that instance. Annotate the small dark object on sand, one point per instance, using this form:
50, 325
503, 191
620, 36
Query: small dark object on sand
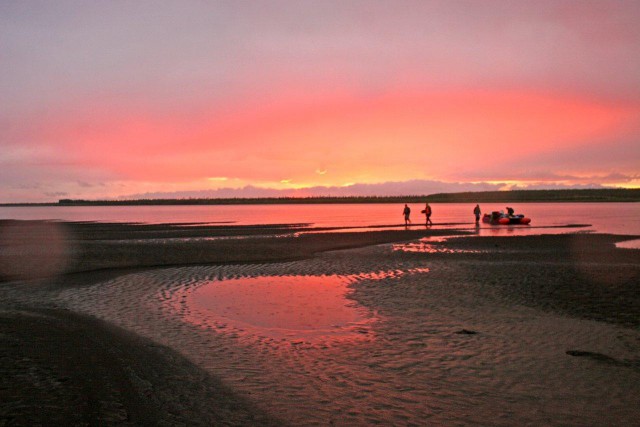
582, 353
627, 363
596, 356
466, 332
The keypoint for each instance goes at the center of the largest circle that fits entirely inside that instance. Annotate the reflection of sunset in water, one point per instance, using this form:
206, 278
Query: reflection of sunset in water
279, 305
292, 306
629, 244
426, 245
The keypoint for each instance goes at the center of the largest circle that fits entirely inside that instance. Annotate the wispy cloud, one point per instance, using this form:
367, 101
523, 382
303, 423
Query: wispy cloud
413, 187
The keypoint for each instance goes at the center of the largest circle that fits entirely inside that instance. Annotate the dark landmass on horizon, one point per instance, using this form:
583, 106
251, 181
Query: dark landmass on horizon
521, 196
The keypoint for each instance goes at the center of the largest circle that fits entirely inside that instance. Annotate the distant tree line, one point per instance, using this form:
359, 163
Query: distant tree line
585, 195
522, 196
248, 201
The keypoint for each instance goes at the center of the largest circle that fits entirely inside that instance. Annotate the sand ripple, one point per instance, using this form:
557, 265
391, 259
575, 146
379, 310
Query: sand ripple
408, 365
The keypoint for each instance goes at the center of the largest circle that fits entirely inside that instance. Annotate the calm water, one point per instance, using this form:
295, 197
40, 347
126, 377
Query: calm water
616, 218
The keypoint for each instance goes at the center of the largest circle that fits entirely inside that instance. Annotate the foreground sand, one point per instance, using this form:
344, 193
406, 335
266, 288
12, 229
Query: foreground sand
502, 331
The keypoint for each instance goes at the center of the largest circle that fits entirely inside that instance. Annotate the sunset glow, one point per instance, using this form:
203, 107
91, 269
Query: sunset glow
229, 99
281, 306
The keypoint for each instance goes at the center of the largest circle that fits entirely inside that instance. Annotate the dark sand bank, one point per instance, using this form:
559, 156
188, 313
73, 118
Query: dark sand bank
33, 249
62, 367
582, 275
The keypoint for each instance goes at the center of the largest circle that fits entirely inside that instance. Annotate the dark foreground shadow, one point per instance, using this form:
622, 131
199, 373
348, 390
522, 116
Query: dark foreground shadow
63, 368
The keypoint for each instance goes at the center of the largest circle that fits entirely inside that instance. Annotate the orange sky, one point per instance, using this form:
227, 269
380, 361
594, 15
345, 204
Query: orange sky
100, 107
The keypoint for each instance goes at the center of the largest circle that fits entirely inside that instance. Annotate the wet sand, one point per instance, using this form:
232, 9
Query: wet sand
470, 330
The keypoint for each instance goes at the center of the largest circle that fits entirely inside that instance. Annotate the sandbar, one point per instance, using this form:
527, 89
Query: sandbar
463, 329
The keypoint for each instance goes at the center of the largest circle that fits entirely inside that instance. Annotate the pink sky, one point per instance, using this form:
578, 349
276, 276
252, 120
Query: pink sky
335, 97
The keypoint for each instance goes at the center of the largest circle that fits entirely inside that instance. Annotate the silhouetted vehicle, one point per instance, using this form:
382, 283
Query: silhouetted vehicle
500, 218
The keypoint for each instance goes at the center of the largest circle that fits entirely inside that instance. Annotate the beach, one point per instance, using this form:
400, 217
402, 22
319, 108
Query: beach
107, 324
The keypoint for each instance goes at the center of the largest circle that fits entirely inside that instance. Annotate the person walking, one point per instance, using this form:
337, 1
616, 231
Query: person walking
406, 212
476, 212
427, 212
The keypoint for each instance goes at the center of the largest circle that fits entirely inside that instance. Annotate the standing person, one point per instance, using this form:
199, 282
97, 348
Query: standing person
406, 212
476, 212
427, 212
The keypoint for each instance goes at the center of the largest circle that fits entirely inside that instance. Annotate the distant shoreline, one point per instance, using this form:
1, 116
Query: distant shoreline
520, 196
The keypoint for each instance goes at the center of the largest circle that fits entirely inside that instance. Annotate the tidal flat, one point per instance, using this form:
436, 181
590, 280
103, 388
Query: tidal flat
118, 324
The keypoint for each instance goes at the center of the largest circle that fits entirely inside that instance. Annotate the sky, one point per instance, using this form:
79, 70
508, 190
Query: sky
147, 99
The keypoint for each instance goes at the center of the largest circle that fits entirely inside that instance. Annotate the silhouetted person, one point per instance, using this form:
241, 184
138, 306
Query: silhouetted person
427, 212
476, 212
509, 211
406, 212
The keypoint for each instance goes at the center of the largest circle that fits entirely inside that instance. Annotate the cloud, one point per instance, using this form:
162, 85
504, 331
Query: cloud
607, 159
406, 188
162, 96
